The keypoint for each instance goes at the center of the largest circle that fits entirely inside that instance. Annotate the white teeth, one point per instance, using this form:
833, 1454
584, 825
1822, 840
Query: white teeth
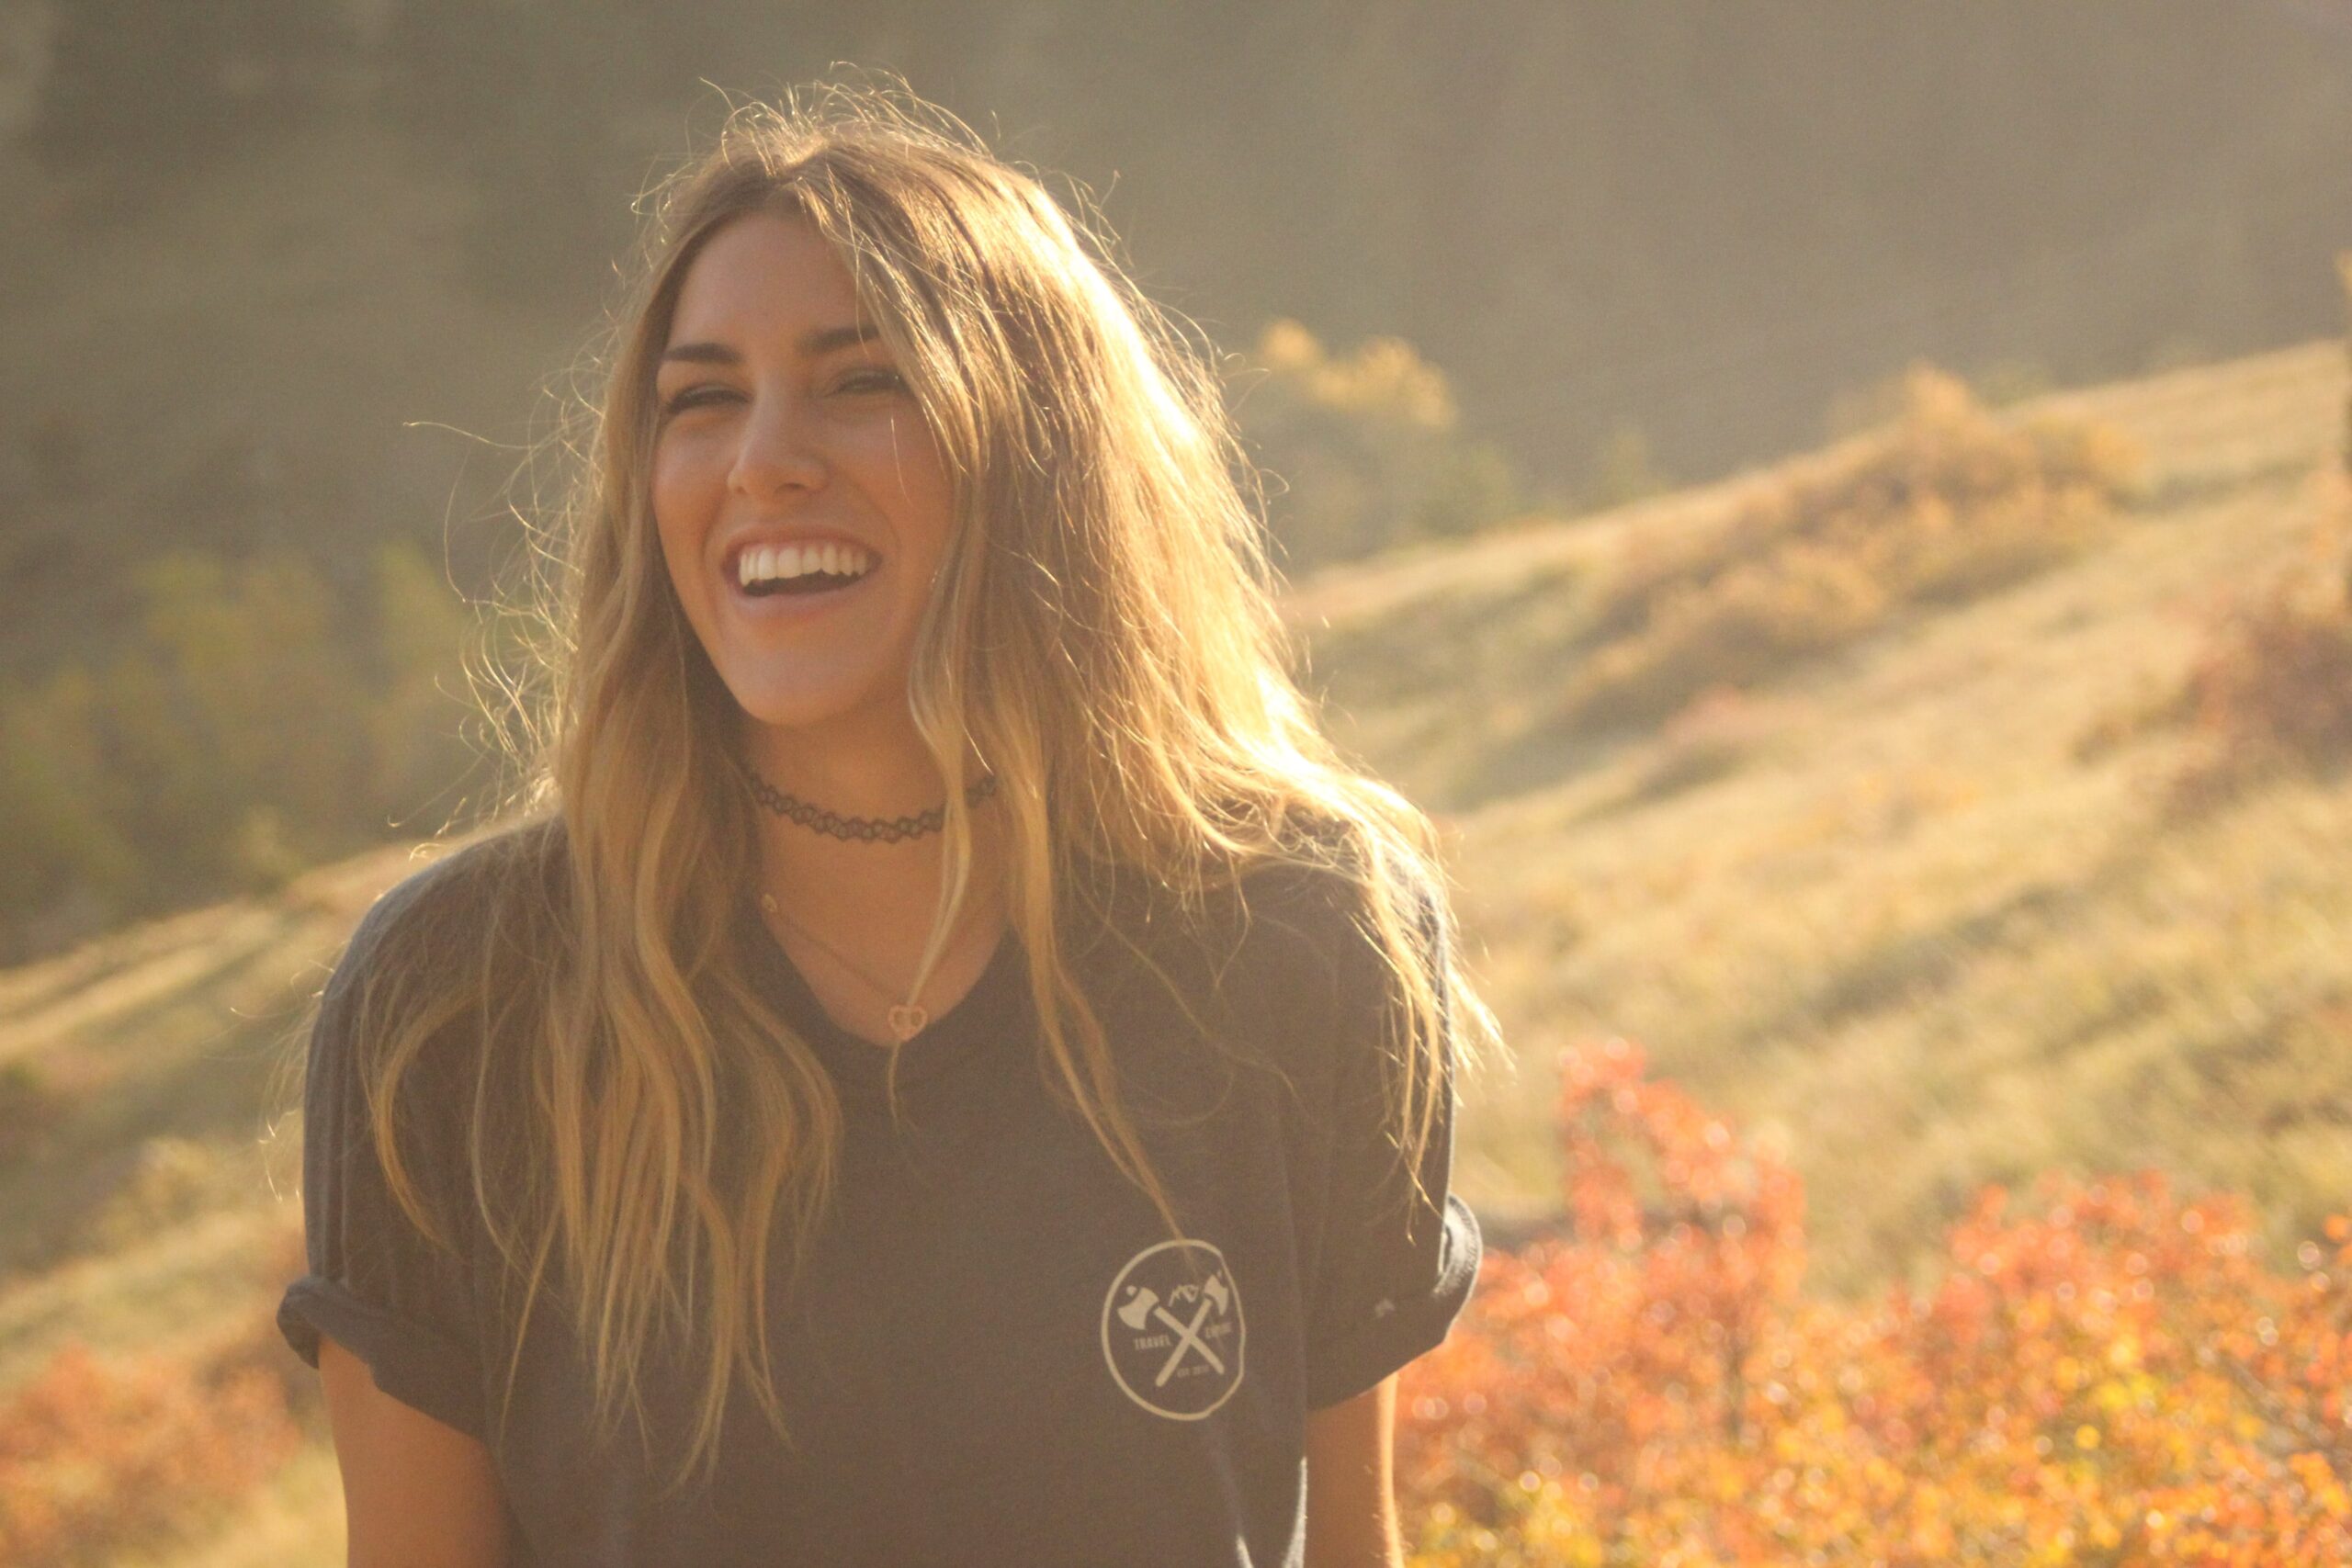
762, 563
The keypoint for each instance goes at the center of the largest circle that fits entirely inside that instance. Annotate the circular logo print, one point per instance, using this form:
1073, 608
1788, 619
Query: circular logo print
1172, 1329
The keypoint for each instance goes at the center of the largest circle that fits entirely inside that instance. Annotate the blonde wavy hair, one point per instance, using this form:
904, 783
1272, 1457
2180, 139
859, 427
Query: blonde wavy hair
1103, 633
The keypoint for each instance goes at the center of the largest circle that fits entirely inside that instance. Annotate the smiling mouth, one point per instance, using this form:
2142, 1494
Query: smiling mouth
806, 586
797, 572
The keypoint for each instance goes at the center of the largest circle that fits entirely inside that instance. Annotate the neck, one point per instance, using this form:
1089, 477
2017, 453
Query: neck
873, 896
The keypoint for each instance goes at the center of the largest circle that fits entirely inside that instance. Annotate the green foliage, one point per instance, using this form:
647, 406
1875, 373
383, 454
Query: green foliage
54, 793
236, 698
421, 629
1363, 451
244, 728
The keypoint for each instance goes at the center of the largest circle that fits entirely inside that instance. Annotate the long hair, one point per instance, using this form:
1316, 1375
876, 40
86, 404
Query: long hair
1103, 634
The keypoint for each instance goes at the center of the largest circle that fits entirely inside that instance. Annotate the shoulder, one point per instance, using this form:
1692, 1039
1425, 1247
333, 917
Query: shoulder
501, 884
1313, 931
427, 959
1299, 939
413, 1003
1294, 915
1290, 944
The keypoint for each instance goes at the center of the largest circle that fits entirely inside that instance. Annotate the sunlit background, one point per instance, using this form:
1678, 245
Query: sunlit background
1838, 508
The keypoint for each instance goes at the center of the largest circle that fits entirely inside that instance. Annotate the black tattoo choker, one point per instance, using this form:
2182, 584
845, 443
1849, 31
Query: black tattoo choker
866, 827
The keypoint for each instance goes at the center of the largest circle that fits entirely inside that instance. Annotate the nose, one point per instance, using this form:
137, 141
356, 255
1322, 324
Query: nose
779, 451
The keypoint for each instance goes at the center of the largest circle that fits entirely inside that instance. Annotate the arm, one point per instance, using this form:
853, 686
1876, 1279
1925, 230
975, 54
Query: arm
416, 1493
1351, 1479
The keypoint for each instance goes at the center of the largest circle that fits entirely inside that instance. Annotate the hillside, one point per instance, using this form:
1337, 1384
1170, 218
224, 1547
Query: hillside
1909, 933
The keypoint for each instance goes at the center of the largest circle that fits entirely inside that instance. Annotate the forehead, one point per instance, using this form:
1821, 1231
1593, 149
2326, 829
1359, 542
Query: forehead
761, 281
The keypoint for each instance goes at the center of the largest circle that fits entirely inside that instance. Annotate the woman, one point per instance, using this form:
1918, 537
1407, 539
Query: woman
934, 871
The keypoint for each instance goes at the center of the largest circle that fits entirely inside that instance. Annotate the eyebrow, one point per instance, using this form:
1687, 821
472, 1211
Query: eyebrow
822, 340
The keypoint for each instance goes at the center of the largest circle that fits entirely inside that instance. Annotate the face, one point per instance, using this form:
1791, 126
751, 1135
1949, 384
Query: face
784, 431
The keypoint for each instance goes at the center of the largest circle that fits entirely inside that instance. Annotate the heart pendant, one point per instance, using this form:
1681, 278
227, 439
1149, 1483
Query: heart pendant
906, 1023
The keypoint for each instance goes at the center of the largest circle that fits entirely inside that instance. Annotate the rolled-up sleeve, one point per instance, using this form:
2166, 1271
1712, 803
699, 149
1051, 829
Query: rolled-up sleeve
375, 1285
1396, 1264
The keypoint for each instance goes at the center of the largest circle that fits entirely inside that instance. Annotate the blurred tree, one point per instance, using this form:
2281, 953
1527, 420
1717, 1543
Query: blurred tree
238, 697
246, 729
423, 635
1361, 452
143, 89
63, 846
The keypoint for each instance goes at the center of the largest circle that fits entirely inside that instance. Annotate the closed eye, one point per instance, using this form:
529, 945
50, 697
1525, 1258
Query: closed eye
694, 397
874, 379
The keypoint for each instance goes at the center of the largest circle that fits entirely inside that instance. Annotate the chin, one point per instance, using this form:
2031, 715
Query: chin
794, 712
797, 708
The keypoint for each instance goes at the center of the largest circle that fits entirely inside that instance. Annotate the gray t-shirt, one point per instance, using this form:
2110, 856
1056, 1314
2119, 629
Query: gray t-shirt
997, 1354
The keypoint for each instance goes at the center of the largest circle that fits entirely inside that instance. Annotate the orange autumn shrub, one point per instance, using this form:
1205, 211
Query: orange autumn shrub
2105, 1375
97, 1455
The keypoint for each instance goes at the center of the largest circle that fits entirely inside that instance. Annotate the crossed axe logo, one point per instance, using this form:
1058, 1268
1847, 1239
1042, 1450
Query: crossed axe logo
1143, 1305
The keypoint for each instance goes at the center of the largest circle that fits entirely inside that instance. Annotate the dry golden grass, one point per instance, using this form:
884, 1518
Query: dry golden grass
1910, 935
161, 1183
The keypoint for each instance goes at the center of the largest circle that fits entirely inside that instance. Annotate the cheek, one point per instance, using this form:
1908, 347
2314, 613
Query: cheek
680, 493
922, 491
679, 540
677, 559
673, 485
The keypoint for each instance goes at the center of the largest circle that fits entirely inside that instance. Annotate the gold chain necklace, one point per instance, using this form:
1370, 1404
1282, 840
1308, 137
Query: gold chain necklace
907, 1019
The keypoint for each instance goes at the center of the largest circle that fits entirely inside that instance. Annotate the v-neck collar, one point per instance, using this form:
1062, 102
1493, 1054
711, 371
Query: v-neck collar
991, 1010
